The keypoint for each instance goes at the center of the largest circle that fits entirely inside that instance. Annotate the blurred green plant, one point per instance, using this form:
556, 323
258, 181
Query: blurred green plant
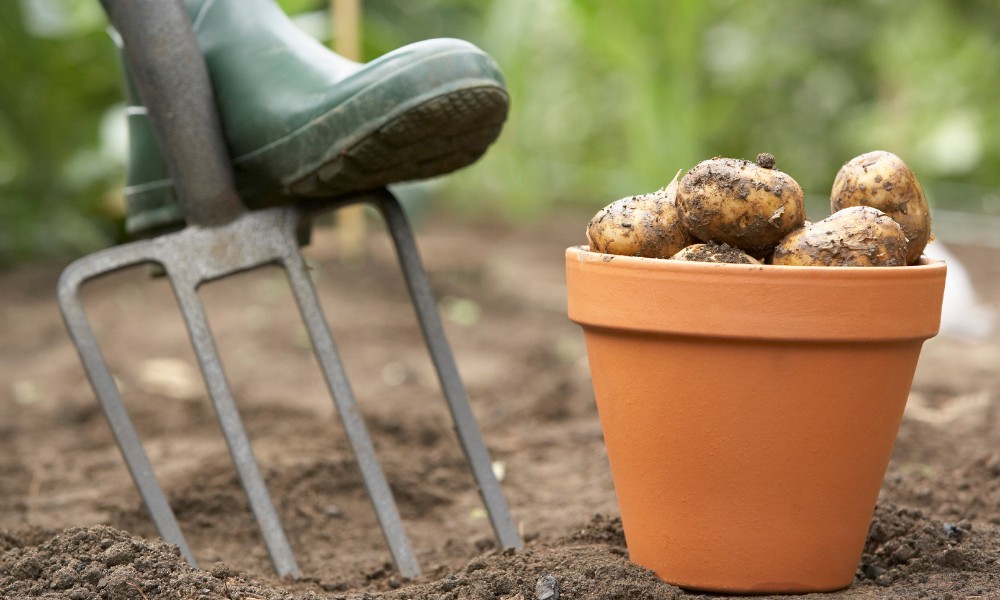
611, 99
608, 99
59, 86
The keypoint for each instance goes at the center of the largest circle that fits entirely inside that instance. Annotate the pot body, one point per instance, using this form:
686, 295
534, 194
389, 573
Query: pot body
749, 411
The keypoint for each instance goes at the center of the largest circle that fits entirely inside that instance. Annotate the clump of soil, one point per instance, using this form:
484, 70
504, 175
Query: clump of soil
26, 535
601, 530
766, 160
902, 543
715, 253
567, 572
101, 562
905, 550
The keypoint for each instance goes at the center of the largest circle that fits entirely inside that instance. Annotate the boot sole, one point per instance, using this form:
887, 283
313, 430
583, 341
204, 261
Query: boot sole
436, 137
448, 132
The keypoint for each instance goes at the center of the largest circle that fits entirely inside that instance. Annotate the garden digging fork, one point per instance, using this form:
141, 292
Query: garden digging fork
223, 238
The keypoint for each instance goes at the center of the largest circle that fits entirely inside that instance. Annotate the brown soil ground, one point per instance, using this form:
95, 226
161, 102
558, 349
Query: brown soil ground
502, 292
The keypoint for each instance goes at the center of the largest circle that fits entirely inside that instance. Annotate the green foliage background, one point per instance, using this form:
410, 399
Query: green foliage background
608, 99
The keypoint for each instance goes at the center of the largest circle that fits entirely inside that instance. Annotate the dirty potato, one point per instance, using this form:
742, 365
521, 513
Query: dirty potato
648, 226
715, 253
740, 203
882, 180
859, 236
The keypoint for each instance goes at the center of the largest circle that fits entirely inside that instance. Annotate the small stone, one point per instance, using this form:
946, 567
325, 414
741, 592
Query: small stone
953, 531
766, 160
334, 512
871, 571
547, 588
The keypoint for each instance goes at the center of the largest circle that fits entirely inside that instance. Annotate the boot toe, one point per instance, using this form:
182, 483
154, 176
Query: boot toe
303, 122
423, 110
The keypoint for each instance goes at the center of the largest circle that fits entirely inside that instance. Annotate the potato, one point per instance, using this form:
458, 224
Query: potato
648, 226
740, 203
882, 180
859, 236
715, 253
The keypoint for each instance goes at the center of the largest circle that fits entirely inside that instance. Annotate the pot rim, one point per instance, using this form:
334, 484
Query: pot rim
763, 302
641, 262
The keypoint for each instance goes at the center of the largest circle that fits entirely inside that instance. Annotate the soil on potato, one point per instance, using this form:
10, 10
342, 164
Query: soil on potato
717, 253
74, 527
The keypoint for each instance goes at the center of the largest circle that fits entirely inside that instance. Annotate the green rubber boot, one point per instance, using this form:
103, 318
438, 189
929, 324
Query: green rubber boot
304, 122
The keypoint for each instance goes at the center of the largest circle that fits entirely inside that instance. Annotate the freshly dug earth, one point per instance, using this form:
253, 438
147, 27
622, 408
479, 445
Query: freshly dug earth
906, 551
104, 562
502, 292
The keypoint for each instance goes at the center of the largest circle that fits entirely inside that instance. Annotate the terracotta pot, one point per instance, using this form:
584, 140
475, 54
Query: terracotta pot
749, 411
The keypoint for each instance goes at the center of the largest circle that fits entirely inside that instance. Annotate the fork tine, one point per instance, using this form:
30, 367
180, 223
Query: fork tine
444, 362
343, 397
196, 255
110, 400
232, 429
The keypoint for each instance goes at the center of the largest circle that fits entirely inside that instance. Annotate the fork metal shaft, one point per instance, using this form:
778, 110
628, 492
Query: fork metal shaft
444, 361
350, 416
233, 431
106, 389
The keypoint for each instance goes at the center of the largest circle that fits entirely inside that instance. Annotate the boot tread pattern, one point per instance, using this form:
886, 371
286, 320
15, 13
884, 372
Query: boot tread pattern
437, 137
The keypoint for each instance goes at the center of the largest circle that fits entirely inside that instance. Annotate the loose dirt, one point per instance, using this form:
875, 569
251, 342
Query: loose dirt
73, 525
715, 253
766, 160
